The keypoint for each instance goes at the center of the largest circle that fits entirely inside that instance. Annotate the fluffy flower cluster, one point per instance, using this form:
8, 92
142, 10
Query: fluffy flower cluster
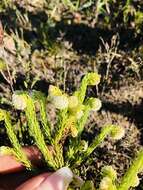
76, 106
93, 78
109, 176
105, 183
118, 132
19, 101
62, 101
94, 103
57, 98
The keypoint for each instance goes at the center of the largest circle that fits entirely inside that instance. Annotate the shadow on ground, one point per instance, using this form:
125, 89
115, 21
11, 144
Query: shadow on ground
84, 39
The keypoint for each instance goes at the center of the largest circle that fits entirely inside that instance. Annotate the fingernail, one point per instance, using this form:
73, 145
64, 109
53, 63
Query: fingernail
66, 174
60, 180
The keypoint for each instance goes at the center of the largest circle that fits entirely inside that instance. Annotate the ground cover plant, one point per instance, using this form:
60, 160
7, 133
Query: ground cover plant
72, 115
50, 89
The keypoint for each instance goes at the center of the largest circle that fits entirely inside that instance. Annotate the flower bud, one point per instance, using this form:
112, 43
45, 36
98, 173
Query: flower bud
54, 91
74, 131
19, 101
73, 102
118, 132
105, 183
108, 171
79, 114
93, 78
77, 111
60, 102
95, 104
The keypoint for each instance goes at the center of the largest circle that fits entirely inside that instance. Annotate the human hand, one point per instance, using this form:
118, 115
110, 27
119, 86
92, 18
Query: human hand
47, 181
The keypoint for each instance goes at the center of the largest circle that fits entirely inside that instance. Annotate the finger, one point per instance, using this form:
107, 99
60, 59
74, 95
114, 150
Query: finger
13, 180
60, 180
33, 182
9, 164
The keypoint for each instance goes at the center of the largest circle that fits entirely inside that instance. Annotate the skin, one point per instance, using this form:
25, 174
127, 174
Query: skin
13, 176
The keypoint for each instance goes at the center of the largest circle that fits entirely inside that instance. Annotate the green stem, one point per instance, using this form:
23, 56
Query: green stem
35, 132
45, 123
74, 146
82, 91
104, 132
81, 123
40, 97
61, 125
130, 176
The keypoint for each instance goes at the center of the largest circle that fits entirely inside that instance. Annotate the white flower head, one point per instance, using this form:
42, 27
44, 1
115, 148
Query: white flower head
93, 78
95, 104
79, 114
118, 133
73, 102
105, 183
19, 101
110, 172
54, 91
60, 102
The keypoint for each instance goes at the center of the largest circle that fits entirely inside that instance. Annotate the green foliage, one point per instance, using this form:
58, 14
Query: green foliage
17, 149
109, 179
35, 132
90, 79
96, 142
88, 185
40, 99
109, 172
130, 179
72, 114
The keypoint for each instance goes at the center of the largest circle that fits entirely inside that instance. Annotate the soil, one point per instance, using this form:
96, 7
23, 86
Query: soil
73, 50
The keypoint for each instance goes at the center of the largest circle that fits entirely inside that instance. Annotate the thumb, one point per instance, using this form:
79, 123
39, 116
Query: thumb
59, 180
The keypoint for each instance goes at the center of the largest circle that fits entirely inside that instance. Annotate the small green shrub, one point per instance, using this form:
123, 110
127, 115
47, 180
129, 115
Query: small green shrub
72, 113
